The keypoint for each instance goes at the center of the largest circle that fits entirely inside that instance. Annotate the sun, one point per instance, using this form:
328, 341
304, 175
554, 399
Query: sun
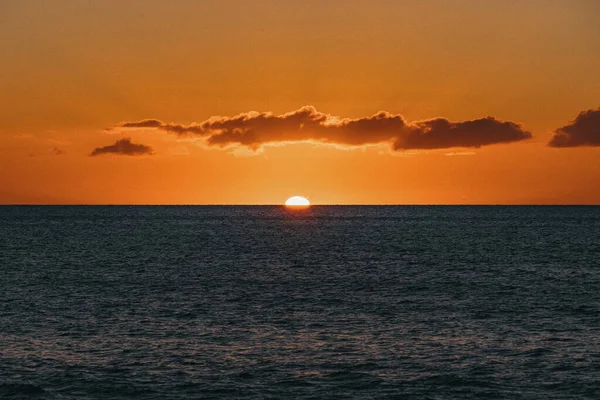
297, 201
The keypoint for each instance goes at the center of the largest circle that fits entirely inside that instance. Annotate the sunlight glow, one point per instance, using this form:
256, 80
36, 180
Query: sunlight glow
297, 201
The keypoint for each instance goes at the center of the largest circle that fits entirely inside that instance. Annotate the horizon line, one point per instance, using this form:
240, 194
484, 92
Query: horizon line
311, 205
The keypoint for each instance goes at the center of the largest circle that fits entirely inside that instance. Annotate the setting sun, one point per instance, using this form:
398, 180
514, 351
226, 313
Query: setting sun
297, 201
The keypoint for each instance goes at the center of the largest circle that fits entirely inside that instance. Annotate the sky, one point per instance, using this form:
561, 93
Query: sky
343, 102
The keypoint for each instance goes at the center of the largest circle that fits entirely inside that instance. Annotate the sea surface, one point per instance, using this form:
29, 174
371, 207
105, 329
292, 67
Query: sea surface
330, 302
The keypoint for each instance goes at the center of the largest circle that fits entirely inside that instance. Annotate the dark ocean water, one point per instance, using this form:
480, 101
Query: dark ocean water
329, 302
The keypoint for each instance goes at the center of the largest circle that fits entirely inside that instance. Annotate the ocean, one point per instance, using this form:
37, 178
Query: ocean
329, 302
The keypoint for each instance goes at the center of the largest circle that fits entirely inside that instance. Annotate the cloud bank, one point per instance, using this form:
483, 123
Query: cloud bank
254, 129
123, 147
583, 131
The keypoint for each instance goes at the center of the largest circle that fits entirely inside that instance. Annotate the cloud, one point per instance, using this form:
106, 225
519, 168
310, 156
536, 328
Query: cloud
123, 147
147, 123
254, 129
440, 133
583, 131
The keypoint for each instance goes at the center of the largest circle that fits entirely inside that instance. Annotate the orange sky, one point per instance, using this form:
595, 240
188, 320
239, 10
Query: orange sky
73, 72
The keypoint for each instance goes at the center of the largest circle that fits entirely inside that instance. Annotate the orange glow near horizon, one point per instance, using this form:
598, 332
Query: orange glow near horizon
462, 103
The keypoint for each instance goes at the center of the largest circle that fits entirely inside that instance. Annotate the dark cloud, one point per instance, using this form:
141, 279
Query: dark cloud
584, 131
123, 147
441, 133
254, 129
154, 123
57, 152
147, 123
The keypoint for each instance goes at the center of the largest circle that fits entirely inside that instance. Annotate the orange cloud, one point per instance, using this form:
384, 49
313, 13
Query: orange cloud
123, 147
254, 129
583, 131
